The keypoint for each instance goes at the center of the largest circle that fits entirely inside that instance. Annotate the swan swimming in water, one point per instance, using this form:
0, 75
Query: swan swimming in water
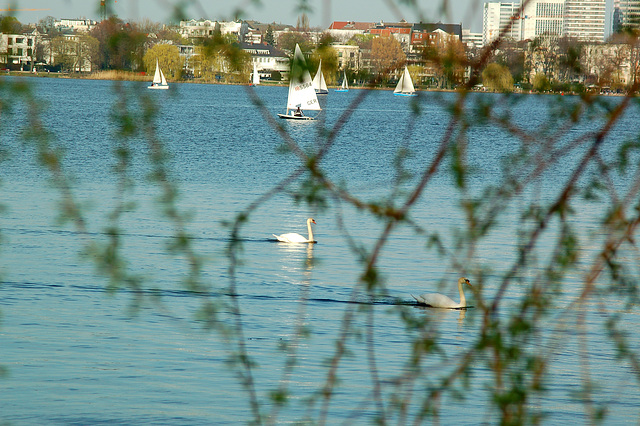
437, 300
297, 238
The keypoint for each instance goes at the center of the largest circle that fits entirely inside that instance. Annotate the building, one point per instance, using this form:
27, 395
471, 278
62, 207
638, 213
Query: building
542, 18
207, 28
17, 51
472, 40
430, 34
401, 31
79, 25
498, 16
267, 58
626, 13
349, 56
584, 19
343, 31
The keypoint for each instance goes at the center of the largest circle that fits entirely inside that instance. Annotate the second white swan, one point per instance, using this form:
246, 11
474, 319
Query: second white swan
297, 238
437, 300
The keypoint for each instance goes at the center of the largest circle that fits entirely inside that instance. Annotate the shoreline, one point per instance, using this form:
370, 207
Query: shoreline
117, 75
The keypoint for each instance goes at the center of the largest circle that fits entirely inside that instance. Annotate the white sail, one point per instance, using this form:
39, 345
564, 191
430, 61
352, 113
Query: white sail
156, 77
319, 84
159, 81
301, 92
405, 85
256, 77
163, 81
345, 85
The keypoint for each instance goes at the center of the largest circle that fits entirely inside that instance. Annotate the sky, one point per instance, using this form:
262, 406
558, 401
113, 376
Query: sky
466, 12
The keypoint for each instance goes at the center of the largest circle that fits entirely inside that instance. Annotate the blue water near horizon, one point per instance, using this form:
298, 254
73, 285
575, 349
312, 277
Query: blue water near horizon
75, 354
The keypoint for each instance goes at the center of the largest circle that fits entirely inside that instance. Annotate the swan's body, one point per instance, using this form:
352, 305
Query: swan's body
297, 238
437, 300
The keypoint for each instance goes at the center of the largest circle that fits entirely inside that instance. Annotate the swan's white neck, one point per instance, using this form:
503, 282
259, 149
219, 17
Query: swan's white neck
463, 300
309, 229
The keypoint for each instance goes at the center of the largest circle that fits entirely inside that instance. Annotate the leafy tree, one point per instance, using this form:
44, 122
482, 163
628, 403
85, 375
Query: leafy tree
64, 52
168, 57
497, 78
445, 59
329, 58
386, 54
268, 37
511, 55
541, 83
10, 25
288, 40
47, 26
121, 44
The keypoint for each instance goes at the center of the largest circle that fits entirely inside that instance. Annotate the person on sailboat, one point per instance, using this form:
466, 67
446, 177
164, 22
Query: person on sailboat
298, 112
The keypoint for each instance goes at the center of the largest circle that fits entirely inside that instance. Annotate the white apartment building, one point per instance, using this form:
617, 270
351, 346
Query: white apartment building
543, 18
80, 25
625, 13
17, 50
496, 16
206, 28
584, 19
472, 40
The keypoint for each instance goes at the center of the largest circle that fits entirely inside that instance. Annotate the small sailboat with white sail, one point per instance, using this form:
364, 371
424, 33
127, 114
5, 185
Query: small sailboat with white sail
255, 77
345, 86
319, 85
405, 85
159, 82
302, 97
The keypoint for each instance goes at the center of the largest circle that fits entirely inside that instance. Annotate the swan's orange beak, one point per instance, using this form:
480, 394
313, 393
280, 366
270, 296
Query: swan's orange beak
312, 220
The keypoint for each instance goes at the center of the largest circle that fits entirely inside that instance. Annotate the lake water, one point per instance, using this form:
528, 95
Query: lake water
75, 354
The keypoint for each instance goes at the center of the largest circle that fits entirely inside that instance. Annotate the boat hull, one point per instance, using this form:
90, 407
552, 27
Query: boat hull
321, 92
158, 87
342, 90
405, 94
295, 117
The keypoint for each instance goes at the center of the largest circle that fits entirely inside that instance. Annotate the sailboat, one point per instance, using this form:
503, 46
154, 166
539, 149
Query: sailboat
345, 85
319, 84
405, 85
159, 82
302, 96
255, 80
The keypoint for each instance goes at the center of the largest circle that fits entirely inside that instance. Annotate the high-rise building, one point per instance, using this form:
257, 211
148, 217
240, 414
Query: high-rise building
497, 16
626, 13
584, 19
543, 18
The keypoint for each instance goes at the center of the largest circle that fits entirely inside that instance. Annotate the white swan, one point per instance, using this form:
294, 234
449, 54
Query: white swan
437, 300
297, 238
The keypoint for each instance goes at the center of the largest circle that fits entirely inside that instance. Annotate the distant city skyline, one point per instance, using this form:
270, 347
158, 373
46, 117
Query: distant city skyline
466, 12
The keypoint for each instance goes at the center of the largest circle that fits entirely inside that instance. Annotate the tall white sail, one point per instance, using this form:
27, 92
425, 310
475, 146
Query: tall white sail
319, 84
345, 85
301, 92
156, 77
163, 81
405, 85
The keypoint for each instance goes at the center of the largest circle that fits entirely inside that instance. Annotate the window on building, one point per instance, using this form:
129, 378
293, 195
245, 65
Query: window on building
19, 40
9, 40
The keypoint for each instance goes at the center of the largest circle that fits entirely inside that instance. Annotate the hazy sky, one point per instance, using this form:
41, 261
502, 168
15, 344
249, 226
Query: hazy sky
467, 12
